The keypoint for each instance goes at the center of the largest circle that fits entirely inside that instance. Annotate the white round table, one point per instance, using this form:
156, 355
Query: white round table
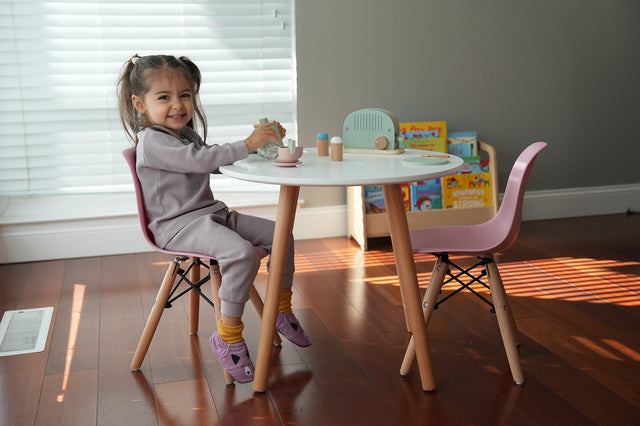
354, 170
388, 170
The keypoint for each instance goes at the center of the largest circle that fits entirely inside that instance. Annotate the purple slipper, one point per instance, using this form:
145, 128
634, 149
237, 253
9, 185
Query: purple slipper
289, 327
234, 358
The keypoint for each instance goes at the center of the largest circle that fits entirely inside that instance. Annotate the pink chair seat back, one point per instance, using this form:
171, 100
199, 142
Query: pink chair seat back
130, 157
489, 237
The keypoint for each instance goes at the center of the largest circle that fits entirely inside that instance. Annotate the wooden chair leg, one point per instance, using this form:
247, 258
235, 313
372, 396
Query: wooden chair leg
506, 321
428, 305
512, 321
256, 300
194, 298
258, 304
216, 281
154, 316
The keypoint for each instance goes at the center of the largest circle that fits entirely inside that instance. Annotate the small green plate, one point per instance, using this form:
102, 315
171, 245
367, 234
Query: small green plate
425, 161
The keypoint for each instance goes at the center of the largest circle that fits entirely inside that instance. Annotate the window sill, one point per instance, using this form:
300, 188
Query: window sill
38, 209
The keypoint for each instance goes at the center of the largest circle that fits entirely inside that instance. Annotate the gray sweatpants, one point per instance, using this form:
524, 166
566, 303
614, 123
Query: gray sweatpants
229, 237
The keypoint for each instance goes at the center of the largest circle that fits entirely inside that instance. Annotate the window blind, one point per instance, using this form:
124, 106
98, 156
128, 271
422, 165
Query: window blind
60, 131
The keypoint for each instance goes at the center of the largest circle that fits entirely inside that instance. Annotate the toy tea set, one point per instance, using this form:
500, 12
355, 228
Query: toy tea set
366, 131
287, 155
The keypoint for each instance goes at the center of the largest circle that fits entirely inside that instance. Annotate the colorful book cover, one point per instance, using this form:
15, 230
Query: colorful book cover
426, 196
466, 191
419, 134
431, 144
374, 199
474, 165
460, 149
440, 126
464, 138
406, 196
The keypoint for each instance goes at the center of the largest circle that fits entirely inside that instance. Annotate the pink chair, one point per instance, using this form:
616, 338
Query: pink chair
482, 240
191, 276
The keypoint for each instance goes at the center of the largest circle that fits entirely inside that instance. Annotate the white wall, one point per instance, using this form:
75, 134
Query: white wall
565, 72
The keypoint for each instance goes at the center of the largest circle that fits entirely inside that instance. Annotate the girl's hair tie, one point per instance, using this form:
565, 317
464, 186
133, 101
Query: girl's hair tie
134, 59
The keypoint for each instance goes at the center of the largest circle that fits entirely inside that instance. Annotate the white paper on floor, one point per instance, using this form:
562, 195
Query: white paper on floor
24, 331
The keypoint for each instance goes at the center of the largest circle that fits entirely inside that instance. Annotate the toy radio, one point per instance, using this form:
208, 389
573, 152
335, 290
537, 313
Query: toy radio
371, 130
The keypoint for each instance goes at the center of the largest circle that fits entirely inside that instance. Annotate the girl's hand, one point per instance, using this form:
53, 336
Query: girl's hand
262, 134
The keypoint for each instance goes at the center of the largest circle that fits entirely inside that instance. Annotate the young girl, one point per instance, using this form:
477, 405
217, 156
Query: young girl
159, 107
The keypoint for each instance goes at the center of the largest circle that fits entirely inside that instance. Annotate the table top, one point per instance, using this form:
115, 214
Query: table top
355, 169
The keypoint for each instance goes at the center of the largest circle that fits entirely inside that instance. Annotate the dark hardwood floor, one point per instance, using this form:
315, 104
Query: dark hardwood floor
574, 287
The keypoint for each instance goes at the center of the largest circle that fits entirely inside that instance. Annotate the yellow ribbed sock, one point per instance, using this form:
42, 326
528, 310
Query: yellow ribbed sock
230, 333
285, 302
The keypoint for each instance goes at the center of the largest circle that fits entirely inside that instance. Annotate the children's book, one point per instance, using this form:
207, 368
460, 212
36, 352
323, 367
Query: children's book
466, 191
431, 144
460, 149
419, 134
440, 126
463, 141
374, 199
406, 195
427, 195
423, 139
474, 165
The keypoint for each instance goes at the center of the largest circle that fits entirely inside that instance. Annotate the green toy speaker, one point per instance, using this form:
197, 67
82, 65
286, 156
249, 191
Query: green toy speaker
371, 130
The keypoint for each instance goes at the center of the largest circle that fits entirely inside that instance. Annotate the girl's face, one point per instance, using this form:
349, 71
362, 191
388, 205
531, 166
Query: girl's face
169, 100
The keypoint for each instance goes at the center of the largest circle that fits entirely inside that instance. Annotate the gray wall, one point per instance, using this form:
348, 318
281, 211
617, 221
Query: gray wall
563, 71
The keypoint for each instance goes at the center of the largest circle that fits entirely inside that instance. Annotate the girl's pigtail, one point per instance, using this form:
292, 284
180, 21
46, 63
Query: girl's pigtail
129, 116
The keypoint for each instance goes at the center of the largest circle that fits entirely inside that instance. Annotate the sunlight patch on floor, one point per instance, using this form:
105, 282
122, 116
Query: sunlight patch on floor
74, 325
564, 278
574, 279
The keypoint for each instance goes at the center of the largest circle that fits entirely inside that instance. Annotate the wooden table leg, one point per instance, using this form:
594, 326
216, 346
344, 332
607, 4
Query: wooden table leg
399, 229
285, 216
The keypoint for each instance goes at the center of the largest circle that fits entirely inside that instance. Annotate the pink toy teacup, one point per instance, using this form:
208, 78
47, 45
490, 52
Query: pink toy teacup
284, 154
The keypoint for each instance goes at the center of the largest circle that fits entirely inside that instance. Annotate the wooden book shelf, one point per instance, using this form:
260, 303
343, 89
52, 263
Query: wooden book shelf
362, 226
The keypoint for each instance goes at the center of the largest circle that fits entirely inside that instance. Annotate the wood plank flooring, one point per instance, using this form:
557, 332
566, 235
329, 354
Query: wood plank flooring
574, 287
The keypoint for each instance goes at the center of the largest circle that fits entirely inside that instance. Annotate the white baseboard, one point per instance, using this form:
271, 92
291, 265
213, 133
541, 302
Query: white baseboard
574, 202
99, 236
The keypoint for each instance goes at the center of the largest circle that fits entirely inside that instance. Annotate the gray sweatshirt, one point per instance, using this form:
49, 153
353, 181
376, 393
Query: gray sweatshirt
174, 174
